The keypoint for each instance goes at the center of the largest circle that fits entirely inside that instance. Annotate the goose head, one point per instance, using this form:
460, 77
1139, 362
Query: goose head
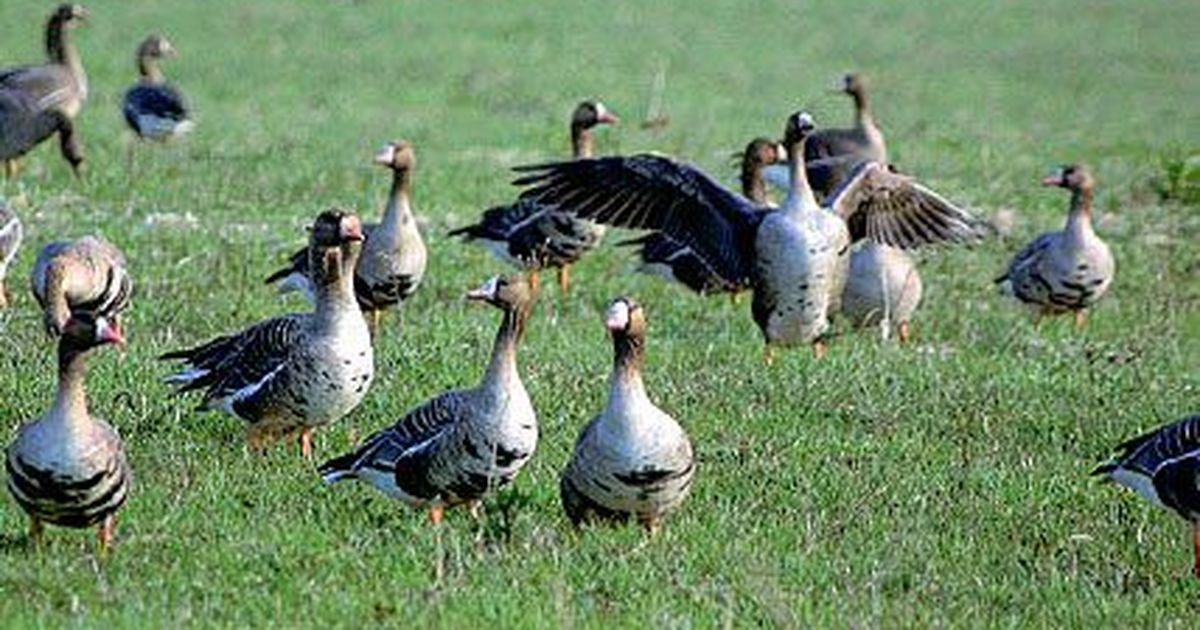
625, 318
155, 47
799, 126
397, 155
334, 245
508, 292
763, 152
588, 114
69, 14
84, 331
854, 85
1074, 177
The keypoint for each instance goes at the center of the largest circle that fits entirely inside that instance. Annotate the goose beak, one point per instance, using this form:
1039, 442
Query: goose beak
1053, 180
605, 117
109, 332
616, 318
386, 155
486, 291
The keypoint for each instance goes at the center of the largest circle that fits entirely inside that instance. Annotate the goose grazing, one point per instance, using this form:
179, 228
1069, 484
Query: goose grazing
794, 258
632, 459
1163, 466
295, 372
87, 275
1068, 270
535, 236
393, 257
11, 233
68, 467
39, 101
155, 109
456, 447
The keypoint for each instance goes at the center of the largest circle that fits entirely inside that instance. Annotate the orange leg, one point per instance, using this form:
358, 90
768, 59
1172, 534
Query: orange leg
373, 319
306, 443
769, 354
107, 531
1080, 319
819, 349
650, 523
436, 513
35, 530
535, 280
564, 278
903, 332
3, 294
10, 169
1196, 548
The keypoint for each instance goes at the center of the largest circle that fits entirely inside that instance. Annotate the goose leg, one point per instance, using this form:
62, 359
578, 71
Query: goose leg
3, 294
1080, 319
373, 322
107, 531
819, 349
436, 513
735, 297
903, 332
475, 508
1196, 548
564, 278
535, 280
768, 354
35, 530
10, 169
306, 442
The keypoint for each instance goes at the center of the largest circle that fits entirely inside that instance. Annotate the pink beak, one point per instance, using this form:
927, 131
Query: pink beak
1052, 180
608, 117
352, 229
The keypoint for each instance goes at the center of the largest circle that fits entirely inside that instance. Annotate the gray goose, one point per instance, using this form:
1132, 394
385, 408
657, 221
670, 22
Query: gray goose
68, 467
1163, 466
456, 447
295, 372
392, 264
794, 258
1066, 271
85, 275
535, 236
39, 101
632, 459
153, 108
11, 234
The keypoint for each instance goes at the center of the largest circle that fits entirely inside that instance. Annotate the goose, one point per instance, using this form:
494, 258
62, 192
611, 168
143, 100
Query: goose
11, 234
38, 101
155, 109
1163, 466
294, 372
392, 264
67, 467
794, 258
534, 236
1066, 271
88, 275
883, 288
632, 459
456, 447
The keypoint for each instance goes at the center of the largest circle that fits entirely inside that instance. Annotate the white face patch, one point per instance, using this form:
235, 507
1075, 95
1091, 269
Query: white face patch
781, 153
487, 291
617, 315
601, 110
804, 119
103, 330
387, 154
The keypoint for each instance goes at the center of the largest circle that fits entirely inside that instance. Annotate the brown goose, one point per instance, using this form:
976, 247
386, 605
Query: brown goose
86, 275
883, 288
11, 233
1163, 466
38, 101
68, 467
632, 459
155, 109
534, 236
1065, 271
392, 264
794, 258
462, 444
293, 373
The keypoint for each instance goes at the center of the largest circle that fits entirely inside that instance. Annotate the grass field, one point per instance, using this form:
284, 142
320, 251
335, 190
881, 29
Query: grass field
944, 483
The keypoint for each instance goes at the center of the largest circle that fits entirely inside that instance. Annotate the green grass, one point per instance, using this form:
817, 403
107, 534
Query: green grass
944, 483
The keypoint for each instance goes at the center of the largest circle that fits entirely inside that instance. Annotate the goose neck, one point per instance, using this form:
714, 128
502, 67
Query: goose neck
70, 403
398, 209
502, 368
61, 50
801, 192
149, 69
581, 141
1079, 220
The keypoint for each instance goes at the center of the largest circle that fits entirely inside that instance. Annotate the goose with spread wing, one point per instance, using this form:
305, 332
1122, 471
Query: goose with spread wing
794, 258
536, 236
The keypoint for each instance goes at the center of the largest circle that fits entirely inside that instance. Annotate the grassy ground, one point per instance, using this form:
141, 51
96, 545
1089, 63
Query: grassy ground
943, 483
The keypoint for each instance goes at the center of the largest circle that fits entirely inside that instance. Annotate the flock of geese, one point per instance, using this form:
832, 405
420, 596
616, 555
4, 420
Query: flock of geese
837, 243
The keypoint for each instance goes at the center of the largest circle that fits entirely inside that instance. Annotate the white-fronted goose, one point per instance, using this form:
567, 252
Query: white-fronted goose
884, 287
67, 467
1066, 271
295, 372
794, 258
534, 236
85, 275
38, 101
392, 264
11, 234
155, 109
460, 445
632, 459
1163, 466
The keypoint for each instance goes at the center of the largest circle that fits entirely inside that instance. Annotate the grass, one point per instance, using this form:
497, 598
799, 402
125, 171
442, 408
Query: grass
943, 483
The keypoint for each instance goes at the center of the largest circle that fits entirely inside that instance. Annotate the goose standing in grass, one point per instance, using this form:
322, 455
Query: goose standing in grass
458, 446
68, 467
39, 101
86, 275
632, 459
155, 109
883, 288
295, 372
794, 258
1163, 466
536, 236
11, 234
1065, 271
392, 264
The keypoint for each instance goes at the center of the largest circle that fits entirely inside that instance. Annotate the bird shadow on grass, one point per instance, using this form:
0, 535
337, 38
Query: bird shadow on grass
11, 542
